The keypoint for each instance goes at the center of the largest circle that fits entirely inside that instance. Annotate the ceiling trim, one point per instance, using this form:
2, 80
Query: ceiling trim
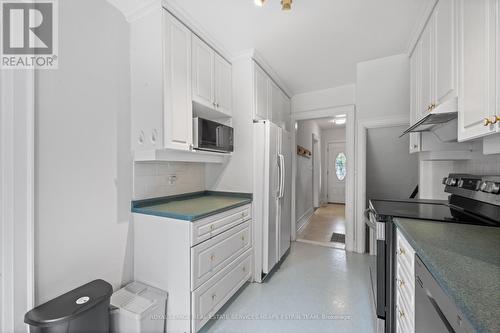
420, 25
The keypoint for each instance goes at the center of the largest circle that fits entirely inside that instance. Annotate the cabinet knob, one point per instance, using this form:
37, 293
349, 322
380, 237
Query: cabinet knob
212, 257
487, 122
243, 237
212, 227
401, 282
495, 119
401, 313
401, 251
214, 296
244, 269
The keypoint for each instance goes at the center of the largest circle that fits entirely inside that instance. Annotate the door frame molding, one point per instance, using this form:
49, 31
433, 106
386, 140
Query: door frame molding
350, 111
362, 127
328, 156
17, 203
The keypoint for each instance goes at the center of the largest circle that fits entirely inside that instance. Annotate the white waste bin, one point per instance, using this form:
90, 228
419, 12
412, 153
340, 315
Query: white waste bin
138, 308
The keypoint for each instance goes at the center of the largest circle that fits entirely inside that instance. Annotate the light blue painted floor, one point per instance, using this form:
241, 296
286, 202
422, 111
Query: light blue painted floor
317, 289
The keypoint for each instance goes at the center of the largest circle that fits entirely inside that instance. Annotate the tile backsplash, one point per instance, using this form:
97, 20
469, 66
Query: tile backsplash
486, 166
158, 179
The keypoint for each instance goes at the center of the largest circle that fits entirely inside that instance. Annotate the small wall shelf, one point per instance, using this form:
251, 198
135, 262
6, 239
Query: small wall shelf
173, 155
301, 151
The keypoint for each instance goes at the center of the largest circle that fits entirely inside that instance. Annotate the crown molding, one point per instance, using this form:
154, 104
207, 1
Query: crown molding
420, 25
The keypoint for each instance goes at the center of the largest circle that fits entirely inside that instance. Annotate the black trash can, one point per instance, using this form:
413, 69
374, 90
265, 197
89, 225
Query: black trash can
82, 310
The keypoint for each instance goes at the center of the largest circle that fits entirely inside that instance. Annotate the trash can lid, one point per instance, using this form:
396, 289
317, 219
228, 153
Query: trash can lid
70, 305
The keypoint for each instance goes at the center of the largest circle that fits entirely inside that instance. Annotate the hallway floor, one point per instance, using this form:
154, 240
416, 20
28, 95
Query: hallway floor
327, 219
317, 289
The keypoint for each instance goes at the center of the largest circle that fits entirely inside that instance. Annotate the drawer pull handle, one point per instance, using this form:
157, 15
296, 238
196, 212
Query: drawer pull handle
212, 257
212, 227
244, 269
401, 251
214, 296
243, 237
243, 214
401, 314
401, 282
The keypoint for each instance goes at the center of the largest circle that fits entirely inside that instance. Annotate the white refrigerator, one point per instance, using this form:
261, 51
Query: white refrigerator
272, 196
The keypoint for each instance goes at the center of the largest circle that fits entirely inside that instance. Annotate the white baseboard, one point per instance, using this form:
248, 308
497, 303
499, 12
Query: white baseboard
304, 219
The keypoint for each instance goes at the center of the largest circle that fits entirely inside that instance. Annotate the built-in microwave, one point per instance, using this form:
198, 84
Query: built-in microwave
212, 136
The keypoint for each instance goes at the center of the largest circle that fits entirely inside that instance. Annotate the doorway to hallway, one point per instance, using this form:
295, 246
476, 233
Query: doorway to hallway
326, 227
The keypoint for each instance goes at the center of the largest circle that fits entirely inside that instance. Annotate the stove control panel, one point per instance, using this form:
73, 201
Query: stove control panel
490, 187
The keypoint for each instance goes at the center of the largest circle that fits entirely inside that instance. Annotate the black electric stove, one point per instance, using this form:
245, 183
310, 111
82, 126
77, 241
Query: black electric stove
472, 200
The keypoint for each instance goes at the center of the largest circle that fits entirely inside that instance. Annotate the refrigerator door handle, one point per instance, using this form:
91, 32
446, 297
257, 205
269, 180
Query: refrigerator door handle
282, 176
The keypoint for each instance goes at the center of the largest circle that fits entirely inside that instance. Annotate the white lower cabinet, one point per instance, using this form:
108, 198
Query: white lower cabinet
200, 264
211, 296
405, 285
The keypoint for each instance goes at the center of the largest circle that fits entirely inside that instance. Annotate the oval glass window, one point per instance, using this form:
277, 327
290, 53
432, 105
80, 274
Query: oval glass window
340, 166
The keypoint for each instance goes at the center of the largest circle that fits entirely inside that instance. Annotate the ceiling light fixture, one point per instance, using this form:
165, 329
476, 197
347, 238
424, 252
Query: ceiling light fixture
286, 4
340, 121
259, 3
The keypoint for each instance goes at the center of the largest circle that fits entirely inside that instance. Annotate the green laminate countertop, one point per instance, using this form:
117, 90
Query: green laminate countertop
191, 206
465, 261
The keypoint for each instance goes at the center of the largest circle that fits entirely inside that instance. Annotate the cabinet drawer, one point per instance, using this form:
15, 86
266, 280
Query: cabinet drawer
214, 225
211, 256
405, 315
212, 295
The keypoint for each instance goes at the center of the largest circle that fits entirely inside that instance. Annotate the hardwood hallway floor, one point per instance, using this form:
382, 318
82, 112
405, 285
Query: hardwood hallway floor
316, 290
327, 219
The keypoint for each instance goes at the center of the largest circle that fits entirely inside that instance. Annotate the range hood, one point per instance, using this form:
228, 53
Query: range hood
434, 119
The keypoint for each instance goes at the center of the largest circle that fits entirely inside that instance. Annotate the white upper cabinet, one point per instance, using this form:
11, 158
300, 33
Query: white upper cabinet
203, 73
178, 113
415, 100
276, 103
445, 26
477, 47
427, 75
261, 93
223, 85
270, 102
212, 78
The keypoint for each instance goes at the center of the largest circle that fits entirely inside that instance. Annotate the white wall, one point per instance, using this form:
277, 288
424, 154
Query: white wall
84, 168
383, 88
151, 179
391, 171
330, 135
324, 99
304, 180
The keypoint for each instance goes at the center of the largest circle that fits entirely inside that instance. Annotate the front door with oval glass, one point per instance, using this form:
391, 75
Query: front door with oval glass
337, 172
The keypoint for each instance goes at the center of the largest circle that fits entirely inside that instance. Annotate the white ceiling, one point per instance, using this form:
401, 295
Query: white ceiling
318, 43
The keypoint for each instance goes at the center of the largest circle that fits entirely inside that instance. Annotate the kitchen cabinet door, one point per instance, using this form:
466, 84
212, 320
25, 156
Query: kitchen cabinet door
426, 79
223, 85
203, 73
285, 111
415, 86
445, 51
261, 93
178, 109
477, 31
275, 107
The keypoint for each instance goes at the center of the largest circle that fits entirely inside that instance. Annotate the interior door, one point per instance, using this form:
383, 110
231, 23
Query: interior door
203, 73
286, 200
271, 223
223, 85
336, 179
